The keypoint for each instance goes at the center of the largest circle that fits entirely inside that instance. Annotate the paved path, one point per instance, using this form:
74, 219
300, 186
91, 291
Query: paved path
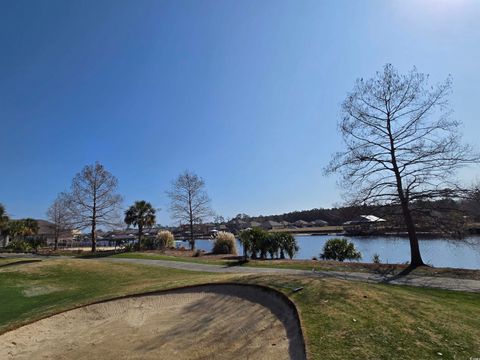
412, 280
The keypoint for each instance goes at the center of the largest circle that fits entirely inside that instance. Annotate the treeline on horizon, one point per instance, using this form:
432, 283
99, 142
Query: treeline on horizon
439, 213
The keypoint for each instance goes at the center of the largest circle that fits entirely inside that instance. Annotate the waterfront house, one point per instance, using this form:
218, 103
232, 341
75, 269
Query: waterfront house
365, 225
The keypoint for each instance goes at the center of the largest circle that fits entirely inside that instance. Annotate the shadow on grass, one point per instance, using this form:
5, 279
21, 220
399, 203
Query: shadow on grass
236, 263
99, 254
20, 262
403, 273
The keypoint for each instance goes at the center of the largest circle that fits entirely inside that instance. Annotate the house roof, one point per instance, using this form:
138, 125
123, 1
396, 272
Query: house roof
272, 223
302, 222
362, 219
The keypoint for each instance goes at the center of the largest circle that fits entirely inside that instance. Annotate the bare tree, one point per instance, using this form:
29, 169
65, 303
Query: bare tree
58, 214
93, 201
401, 144
189, 201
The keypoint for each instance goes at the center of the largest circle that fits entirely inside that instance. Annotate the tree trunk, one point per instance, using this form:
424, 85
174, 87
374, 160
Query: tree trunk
415, 257
190, 210
94, 240
55, 246
94, 221
140, 236
192, 237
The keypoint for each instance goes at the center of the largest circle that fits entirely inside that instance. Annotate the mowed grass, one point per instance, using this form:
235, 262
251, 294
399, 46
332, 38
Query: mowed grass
32, 291
341, 319
157, 256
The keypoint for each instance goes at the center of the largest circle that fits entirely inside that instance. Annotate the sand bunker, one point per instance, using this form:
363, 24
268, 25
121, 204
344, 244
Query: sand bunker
204, 322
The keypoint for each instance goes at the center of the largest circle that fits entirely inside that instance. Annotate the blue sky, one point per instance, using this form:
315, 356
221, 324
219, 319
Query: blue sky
244, 93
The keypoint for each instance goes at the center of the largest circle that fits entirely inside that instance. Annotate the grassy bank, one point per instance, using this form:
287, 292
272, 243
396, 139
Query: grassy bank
348, 320
385, 269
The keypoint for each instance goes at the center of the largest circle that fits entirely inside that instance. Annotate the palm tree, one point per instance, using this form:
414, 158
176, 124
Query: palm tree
141, 214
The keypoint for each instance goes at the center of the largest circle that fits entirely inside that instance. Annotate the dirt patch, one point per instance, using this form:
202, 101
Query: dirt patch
223, 321
32, 291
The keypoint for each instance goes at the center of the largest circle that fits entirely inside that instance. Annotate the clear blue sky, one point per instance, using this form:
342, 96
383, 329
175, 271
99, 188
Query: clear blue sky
245, 93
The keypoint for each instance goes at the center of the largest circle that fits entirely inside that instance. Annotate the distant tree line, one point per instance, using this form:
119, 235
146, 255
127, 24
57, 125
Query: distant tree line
447, 216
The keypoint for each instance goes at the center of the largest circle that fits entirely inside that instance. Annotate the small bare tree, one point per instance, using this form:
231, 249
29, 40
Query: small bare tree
189, 201
401, 145
93, 201
58, 214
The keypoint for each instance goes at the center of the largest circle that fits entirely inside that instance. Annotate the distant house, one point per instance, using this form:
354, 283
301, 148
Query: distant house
364, 225
301, 223
46, 232
320, 223
222, 227
272, 225
286, 224
255, 224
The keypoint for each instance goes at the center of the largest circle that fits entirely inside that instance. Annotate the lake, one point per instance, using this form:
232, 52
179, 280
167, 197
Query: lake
392, 250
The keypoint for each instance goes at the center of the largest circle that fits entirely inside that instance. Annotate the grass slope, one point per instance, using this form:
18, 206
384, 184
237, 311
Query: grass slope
347, 320
384, 269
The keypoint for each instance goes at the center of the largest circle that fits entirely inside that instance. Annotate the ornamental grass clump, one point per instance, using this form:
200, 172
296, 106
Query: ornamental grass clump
165, 239
225, 243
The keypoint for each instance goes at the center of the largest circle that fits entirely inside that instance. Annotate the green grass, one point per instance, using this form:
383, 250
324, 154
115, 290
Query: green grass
153, 256
30, 291
341, 320
299, 265
353, 320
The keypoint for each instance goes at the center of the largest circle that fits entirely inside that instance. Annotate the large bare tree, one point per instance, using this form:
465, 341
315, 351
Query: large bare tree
401, 144
58, 213
93, 201
189, 201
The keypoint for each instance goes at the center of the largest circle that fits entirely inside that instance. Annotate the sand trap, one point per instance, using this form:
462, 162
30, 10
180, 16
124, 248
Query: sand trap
205, 322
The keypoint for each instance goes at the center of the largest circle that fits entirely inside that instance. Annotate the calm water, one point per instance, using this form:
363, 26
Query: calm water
436, 252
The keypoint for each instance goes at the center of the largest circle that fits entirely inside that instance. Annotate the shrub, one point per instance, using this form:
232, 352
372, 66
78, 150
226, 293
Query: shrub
288, 244
285, 243
35, 241
129, 247
340, 249
253, 241
275, 244
376, 259
165, 239
197, 253
149, 243
225, 243
19, 246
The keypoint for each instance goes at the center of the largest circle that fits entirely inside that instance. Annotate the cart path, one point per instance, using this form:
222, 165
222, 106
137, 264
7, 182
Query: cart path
411, 280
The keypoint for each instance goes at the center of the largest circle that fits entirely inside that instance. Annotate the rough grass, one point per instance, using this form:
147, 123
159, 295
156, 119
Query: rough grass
341, 319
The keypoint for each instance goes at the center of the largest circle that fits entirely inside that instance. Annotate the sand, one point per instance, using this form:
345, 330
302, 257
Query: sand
205, 322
